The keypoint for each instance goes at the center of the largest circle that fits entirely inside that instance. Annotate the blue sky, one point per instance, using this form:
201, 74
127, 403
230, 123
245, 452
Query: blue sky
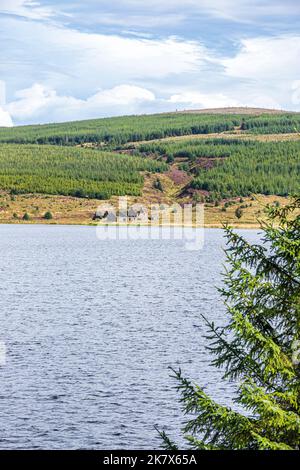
68, 60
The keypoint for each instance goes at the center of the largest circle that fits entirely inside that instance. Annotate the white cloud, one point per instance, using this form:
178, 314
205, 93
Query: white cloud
232, 10
80, 75
153, 13
266, 68
266, 58
142, 21
39, 103
5, 118
121, 95
78, 62
31, 101
26, 9
248, 10
194, 99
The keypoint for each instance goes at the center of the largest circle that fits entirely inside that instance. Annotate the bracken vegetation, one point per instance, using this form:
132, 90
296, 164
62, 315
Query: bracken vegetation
71, 171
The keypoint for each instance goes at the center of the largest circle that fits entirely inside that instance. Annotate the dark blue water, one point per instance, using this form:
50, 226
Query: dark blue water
90, 329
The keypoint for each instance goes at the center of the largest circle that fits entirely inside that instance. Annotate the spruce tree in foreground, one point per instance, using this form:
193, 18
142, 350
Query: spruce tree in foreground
259, 346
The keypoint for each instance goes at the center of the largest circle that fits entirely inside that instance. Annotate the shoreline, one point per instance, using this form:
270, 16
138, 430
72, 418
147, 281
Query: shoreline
193, 226
80, 211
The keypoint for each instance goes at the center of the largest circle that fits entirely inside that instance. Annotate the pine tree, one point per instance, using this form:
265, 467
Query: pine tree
259, 347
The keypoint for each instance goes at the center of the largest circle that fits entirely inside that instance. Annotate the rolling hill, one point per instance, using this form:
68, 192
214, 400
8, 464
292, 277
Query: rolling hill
239, 110
216, 156
120, 130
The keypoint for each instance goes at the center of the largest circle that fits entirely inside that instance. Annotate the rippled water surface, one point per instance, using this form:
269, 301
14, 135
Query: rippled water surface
90, 329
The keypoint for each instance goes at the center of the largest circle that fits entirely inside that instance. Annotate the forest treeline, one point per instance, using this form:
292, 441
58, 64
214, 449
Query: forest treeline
272, 124
257, 167
120, 130
240, 167
192, 148
72, 171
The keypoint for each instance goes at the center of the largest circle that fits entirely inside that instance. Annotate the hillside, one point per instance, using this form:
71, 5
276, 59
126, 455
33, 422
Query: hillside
120, 130
240, 110
230, 167
186, 157
71, 171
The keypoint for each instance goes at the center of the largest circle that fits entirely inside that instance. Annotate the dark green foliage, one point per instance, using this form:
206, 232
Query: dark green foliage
191, 149
170, 158
71, 171
26, 216
158, 185
184, 167
258, 348
255, 167
272, 124
243, 125
48, 215
240, 167
238, 213
120, 130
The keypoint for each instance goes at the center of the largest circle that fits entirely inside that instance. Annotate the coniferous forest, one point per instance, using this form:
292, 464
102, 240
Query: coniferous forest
148, 127
56, 158
72, 171
238, 167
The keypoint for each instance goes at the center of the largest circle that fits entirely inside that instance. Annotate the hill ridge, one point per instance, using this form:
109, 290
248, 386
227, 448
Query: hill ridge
238, 110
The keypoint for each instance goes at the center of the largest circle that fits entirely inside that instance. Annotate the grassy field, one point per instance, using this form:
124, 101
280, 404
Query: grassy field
238, 134
71, 210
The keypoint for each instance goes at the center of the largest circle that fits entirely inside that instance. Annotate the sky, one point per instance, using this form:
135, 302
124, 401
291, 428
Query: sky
71, 60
